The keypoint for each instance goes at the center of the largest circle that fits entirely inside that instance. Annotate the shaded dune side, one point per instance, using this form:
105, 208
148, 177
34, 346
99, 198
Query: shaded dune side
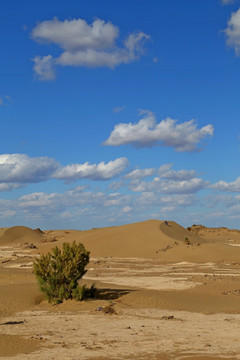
17, 234
177, 232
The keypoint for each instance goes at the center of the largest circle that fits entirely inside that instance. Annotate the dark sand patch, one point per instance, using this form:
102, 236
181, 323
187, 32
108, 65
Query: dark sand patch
11, 345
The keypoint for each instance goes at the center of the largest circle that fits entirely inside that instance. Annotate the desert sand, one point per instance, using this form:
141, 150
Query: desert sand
174, 294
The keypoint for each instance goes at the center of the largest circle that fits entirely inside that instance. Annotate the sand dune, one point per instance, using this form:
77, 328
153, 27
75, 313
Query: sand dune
145, 239
149, 239
19, 234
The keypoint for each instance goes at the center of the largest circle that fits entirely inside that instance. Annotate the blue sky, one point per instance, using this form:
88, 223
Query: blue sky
117, 112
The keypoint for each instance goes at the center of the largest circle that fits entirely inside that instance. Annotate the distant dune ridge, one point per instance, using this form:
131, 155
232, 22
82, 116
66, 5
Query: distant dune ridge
214, 233
166, 240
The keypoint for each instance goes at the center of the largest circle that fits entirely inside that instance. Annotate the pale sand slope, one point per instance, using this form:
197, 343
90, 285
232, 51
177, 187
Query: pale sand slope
148, 271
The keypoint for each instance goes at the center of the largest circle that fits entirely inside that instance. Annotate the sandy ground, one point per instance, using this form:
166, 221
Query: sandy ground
169, 302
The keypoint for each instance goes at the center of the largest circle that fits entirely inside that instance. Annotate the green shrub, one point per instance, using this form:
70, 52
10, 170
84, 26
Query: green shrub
59, 271
82, 292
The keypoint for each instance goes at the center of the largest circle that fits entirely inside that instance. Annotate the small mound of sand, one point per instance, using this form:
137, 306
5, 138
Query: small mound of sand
20, 234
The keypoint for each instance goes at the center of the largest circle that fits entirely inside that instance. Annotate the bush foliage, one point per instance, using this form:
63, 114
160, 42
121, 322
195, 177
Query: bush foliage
59, 271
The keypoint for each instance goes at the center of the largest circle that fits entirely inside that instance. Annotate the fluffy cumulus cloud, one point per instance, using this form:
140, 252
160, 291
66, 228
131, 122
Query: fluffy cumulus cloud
167, 180
233, 186
101, 171
233, 32
169, 186
19, 168
16, 170
168, 132
83, 44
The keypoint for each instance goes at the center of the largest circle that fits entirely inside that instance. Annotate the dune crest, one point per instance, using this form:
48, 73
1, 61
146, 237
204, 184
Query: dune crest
20, 234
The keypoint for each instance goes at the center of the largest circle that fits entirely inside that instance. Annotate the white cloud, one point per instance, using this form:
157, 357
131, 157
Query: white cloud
38, 200
179, 200
165, 172
101, 171
227, 2
81, 207
169, 187
76, 199
44, 67
233, 32
233, 186
19, 168
91, 45
76, 34
183, 187
56, 201
147, 132
139, 173
154, 199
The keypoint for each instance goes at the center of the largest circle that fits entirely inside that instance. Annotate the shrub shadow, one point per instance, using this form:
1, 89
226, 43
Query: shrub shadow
111, 294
